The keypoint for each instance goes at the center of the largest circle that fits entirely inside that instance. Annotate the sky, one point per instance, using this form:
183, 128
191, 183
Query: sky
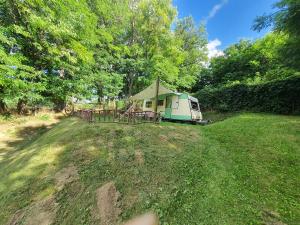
227, 21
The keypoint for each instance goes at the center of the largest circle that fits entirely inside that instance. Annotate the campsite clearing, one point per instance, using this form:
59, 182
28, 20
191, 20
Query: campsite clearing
242, 170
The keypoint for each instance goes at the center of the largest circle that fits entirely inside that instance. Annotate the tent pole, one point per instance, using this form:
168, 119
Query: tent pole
156, 98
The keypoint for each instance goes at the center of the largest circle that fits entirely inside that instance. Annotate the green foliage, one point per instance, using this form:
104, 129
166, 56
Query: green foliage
51, 51
257, 75
17, 80
88, 48
105, 77
193, 42
278, 96
248, 62
154, 50
251, 76
54, 38
286, 19
149, 44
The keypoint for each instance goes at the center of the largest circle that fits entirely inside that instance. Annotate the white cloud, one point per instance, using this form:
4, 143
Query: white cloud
215, 9
213, 50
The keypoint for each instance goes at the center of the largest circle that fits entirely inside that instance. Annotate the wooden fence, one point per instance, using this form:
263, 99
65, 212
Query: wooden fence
117, 116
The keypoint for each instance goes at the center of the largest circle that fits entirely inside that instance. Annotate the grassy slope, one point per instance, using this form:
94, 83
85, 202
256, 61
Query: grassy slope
225, 173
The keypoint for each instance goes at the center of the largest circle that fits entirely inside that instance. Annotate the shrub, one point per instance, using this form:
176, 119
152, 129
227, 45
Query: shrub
279, 96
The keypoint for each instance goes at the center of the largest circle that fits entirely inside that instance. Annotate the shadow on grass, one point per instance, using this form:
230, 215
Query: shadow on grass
28, 166
214, 116
27, 135
22, 170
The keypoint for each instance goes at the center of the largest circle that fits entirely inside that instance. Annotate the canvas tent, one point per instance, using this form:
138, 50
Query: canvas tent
170, 104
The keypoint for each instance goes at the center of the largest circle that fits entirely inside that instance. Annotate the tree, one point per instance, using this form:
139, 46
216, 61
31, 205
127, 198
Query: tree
193, 45
286, 19
18, 81
151, 47
248, 62
106, 76
53, 50
55, 37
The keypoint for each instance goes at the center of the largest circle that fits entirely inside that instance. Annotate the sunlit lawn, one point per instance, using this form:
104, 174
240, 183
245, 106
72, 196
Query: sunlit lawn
242, 170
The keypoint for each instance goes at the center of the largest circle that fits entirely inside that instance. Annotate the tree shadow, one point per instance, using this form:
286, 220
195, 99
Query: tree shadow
27, 175
213, 116
27, 135
21, 178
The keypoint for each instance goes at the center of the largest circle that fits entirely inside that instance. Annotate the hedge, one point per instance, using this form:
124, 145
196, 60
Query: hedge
280, 96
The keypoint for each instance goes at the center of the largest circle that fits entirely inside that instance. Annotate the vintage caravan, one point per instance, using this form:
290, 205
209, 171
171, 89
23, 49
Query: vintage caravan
171, 105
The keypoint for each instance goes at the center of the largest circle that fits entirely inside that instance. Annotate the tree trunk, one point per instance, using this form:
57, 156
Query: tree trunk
59, 105
130, 84
3, 108
21, 107
100, 93
101, 99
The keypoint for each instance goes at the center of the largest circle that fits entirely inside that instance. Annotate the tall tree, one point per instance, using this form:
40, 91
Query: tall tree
193, 45
286, 19
55, 37
18, 81
107, 78
151, 47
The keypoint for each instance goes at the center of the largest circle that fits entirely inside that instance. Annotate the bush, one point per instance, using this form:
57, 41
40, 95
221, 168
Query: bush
279, 96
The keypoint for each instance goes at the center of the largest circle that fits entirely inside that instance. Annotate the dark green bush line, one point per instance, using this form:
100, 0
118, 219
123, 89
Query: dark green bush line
280, 96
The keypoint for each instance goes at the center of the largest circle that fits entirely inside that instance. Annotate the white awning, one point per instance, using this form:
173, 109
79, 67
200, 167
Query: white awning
150, 92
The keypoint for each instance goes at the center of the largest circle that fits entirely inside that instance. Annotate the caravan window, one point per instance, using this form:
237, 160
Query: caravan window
194, 106
160, 102
148, 104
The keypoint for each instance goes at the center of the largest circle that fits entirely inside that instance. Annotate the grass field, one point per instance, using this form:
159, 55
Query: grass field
242, 170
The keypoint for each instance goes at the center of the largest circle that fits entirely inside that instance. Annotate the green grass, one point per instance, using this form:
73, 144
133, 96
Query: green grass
229, 172
213, 116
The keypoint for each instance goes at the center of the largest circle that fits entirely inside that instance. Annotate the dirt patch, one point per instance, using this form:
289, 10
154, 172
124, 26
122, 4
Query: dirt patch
163, 138
107, 203
139, 157
65, 176
86, 152
42, 213
82, 155
16, 218
39, 213
271, 218
146, 219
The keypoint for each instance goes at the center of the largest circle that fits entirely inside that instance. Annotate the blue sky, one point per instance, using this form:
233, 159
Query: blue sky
227, 21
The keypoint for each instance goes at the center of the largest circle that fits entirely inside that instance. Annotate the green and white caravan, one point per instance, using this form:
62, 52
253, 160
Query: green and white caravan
171, 105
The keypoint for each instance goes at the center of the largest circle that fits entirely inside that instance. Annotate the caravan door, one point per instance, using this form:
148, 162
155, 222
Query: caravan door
168, 110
